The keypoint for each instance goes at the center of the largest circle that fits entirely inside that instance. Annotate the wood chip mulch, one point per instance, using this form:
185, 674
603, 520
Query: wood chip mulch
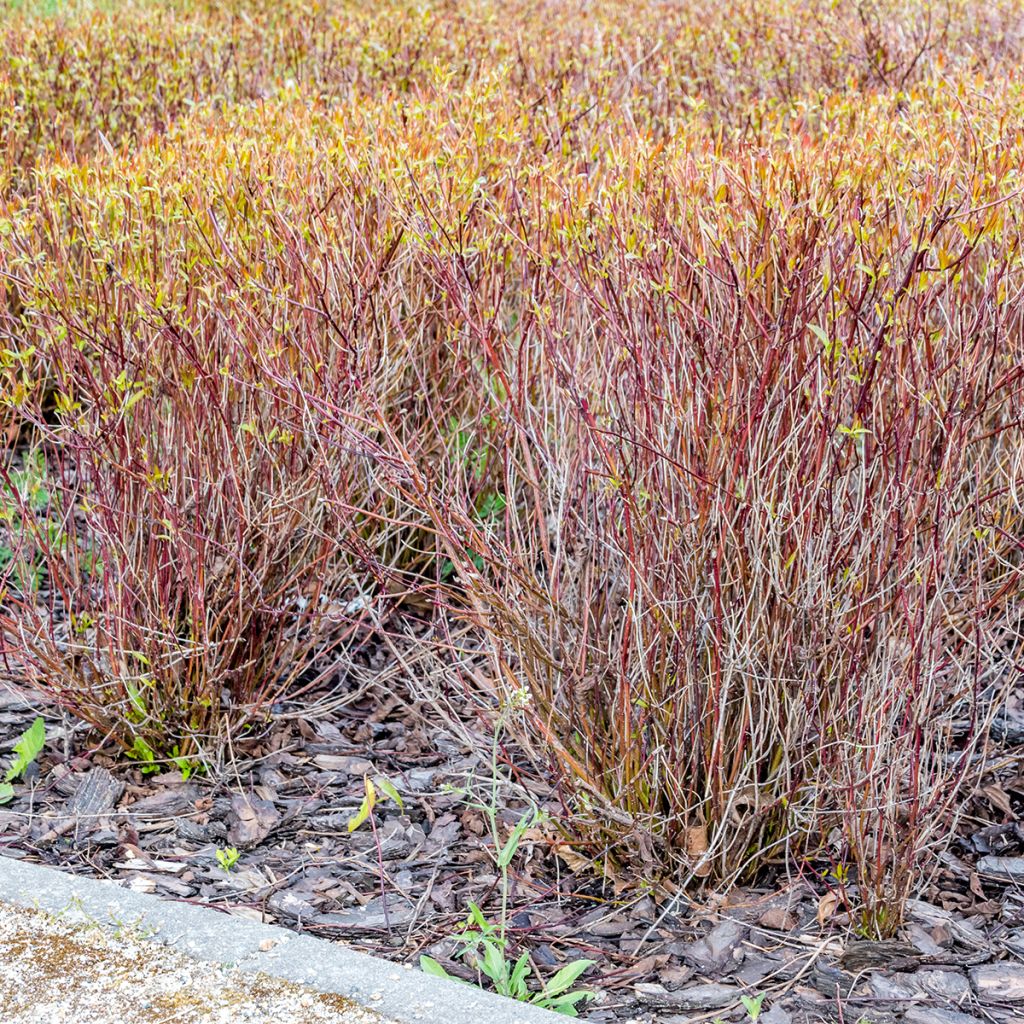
398, 886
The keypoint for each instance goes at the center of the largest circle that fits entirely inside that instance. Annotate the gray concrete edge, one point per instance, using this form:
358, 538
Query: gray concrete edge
393, 990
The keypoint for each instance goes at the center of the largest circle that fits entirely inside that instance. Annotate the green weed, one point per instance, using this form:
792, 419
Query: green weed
227, 857
28, 747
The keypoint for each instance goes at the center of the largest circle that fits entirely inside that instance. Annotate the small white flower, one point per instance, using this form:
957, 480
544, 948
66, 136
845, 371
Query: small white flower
519, 699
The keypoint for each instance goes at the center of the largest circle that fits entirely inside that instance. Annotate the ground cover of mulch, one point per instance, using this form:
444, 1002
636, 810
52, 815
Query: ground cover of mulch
399, 884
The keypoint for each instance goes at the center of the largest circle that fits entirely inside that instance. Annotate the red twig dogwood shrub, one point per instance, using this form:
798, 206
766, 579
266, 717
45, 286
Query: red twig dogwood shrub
754, 546
201, 533
675, 354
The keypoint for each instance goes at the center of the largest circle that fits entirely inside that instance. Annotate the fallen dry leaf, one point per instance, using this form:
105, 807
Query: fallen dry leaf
778, 919
573, 860
827, 906
251, 820
998, 798
695, 842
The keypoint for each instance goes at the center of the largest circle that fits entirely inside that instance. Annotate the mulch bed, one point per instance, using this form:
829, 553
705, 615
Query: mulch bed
398, 886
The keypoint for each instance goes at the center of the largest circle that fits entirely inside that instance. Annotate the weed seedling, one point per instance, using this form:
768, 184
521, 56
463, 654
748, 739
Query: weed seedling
387, 791
483, 941
752, 1004
485, 944
26, 750
370, 798
228, 857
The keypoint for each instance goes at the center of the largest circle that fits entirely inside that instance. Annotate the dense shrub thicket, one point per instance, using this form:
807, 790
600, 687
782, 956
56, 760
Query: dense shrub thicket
676, 353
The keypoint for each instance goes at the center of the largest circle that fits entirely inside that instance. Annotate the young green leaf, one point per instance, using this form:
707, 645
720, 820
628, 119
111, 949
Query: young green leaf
752, 1004
476, 916
495, 966
388, 789
566, 977
517, 979
138, 702
508, 851
228, 857
366, 807
140, 750
565, 1004
27, 749
428, 965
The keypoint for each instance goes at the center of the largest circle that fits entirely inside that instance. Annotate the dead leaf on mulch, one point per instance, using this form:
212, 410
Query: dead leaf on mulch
573, 861
778, 919
251, 820
695, 842
473, 821
998, 798
827, 906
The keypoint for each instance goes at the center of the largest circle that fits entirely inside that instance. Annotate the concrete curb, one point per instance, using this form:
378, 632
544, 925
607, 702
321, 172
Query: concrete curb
392, 990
